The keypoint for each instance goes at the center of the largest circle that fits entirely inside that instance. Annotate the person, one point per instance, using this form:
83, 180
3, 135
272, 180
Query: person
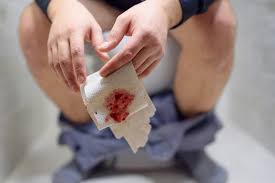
52, 36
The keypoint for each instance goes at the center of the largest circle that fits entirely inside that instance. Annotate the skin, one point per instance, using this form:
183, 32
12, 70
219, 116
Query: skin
145, 47
147, 43
200, 77
66, 40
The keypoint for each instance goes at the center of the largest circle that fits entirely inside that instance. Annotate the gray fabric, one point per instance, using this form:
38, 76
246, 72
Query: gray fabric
171, 133
69, 173
201, 167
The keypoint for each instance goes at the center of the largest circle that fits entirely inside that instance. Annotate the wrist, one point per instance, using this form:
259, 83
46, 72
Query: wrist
56, 5
172, 11
52, 8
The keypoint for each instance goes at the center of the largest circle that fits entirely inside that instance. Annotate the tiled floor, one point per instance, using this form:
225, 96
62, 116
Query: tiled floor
244, 158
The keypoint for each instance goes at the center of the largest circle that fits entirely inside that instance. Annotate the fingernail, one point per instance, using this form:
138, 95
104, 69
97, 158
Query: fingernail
103, 73
103, 56
81, 79
106, 56
103, 45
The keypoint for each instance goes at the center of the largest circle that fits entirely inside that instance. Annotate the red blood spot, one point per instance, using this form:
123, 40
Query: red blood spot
107, 119
117, 103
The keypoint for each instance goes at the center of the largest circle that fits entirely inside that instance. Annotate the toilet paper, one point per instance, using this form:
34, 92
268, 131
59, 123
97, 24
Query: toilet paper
120, 102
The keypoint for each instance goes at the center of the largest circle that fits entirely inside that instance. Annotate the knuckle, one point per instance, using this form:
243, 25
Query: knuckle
147, 33
55, 65
51, 64
51, 42
61, 35
70, 30
128, 54
58, 37
70, 77
63, 61
76, 51
78, 67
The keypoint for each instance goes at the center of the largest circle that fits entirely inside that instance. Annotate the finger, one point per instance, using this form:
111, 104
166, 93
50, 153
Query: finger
65, 62
97, 40
149, 69
118, 31
55, 66
129, 51
61, 76
145, 65
53, 57
141, 57
78, 57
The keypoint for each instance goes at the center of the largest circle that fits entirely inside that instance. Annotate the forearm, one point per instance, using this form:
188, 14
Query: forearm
53, 7
179, 11
172, 10
56, 5
50, 7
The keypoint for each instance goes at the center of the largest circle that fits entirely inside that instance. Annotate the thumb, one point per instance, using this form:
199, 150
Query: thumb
117, 33
97, 40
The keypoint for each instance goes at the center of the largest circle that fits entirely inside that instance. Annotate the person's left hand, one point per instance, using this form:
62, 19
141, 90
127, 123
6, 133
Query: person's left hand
147, 25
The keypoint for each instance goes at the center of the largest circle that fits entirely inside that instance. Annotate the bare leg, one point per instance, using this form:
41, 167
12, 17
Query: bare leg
203, 68
33, 30
206, 58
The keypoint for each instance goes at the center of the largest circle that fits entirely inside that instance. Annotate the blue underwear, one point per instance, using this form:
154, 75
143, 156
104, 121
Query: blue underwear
171, 133
122, 4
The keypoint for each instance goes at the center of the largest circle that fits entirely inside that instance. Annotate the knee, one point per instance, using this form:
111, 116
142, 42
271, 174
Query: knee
30, 33
224, 27
221, 42
26, 29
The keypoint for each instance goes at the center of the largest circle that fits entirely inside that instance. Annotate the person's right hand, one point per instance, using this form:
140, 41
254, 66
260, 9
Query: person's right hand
72, 25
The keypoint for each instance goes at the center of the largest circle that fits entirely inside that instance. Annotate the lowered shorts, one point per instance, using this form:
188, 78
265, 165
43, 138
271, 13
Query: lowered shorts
171, 132
122, 4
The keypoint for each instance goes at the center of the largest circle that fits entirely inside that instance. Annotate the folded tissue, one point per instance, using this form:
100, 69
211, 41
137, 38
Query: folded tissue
121, 103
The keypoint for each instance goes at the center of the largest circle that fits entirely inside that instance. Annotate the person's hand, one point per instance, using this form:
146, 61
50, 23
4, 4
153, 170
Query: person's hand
72, 24
147, 24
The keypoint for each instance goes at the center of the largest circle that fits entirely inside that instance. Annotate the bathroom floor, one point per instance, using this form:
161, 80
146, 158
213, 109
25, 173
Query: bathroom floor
245, 160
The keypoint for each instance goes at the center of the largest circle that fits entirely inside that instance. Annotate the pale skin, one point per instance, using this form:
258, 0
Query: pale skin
55, 52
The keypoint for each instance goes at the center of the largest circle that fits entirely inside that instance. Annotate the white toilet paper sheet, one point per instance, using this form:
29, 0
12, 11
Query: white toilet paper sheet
135, 128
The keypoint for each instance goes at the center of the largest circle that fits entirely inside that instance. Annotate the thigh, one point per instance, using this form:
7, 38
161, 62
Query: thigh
103, 12
207, 28
34, 29
207, 43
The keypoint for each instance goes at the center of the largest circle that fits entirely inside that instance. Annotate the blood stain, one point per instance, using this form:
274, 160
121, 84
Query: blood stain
117, 104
